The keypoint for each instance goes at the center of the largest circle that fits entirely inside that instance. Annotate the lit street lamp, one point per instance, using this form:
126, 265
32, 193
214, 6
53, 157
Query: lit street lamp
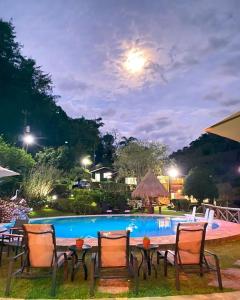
28, 139
86, 161
172, 173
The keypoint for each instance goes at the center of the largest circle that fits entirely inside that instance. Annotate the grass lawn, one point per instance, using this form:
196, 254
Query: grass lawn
192, 284
50, 212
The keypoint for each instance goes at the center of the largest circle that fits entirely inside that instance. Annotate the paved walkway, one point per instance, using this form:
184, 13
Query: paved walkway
217, 296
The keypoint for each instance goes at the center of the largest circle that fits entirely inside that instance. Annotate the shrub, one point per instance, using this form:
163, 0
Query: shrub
181, 204
81, 202
38, 184
61, 190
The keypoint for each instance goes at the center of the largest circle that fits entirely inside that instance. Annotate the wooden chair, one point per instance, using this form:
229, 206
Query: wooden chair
113, 259
39, 253
189, 254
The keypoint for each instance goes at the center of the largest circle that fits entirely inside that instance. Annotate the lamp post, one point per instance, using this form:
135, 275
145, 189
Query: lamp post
173, 172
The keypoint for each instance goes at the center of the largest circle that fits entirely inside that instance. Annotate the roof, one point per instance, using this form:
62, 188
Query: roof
150, 186
101, 168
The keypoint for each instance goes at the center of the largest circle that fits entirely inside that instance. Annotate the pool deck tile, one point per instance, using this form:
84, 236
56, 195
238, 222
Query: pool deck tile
225, 231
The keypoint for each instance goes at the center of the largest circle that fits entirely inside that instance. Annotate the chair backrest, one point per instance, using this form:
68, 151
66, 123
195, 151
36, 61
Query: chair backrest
210, 217
190, 240
41, 244
206, 214
20, 222
113, 249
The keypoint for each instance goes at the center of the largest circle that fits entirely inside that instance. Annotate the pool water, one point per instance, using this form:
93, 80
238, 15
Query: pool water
88, 226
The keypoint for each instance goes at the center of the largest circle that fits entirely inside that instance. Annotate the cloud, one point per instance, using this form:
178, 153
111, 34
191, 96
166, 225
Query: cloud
110, 112
231, 67
73, 84
231, 102
215, 95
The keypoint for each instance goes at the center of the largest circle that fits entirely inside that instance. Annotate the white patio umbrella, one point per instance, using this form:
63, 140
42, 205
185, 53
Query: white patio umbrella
228, 127
6, 173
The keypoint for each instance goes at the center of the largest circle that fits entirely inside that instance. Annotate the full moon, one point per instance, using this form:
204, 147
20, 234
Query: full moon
135, 61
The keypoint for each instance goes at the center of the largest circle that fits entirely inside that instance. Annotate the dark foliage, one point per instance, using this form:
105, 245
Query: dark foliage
26, 99
220, 156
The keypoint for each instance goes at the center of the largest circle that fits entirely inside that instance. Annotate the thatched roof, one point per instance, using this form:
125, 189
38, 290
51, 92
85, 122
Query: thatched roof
150, 186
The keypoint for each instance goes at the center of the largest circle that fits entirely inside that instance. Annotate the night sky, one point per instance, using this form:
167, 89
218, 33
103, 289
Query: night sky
189, 50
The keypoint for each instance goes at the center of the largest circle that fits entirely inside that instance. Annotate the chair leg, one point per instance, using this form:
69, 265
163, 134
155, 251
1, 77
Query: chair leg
9, 278
165, 266
65, 269
135, 274
219, 275
92, 278
177, 277
201, 270
54, 278
1, 252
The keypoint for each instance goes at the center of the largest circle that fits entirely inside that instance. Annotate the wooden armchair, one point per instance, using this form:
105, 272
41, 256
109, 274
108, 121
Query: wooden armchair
113, 259
39, 253
189, 254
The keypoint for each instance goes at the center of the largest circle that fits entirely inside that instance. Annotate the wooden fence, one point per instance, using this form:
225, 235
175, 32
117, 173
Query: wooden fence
224, 213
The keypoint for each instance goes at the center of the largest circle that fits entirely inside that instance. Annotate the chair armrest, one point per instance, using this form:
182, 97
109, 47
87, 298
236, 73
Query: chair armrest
65, 254
133, 258
170, 251
12, 235
19, 229
14, 258
210, 253
215, 257
94, 258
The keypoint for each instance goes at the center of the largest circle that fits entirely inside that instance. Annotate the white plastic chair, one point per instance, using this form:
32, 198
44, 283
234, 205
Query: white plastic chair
191, 217
205, 218
210, 218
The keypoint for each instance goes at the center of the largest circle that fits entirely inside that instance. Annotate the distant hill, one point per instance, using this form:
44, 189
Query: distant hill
219, 155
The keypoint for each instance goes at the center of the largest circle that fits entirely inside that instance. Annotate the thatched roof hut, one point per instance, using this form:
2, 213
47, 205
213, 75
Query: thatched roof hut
150, 187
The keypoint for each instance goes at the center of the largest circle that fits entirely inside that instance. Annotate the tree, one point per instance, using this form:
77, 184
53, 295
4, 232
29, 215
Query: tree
16, 159
62, 157
126, 141
27, 99
137, 157
199, 184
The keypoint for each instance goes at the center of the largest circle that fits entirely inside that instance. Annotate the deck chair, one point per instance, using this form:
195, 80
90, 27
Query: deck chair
12, 240
204, 218
191, 217
39, 253
113, 259
189, 254
210, 217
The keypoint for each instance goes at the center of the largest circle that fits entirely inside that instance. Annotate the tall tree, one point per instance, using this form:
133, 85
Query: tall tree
137, 157
26, 99
200, 184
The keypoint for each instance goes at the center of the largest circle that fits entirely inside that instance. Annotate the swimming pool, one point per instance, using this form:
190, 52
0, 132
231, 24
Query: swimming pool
88, 226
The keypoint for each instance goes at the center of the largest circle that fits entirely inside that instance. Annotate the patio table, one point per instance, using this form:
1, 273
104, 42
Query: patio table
147, 259
79, 254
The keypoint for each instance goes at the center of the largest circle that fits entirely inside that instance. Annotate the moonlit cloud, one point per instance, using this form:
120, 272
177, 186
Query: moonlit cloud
191, 70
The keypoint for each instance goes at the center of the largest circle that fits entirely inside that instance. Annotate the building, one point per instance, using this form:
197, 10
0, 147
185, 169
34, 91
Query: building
102, 174
173, 185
